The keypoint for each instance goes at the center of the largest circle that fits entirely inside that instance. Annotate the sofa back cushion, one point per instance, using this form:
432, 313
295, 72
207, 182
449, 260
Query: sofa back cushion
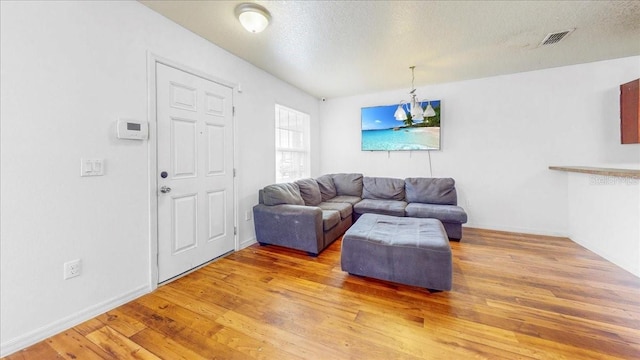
348, 184
327, 188
285, 193
379, 188
310, 191
431, 191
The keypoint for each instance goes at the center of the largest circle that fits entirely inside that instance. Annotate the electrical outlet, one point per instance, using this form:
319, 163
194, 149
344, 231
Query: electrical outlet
247, 215
72, 269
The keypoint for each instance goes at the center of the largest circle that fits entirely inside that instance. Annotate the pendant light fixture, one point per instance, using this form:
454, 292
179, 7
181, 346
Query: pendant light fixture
414, 106
253, 17
429, 112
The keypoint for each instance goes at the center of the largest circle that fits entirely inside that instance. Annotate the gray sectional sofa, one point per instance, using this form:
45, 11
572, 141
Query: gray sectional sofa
310, 214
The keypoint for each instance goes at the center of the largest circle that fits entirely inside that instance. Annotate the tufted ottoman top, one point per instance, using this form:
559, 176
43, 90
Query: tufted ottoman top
400, 231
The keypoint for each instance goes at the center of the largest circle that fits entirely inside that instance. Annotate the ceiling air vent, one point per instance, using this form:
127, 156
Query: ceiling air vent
555, 37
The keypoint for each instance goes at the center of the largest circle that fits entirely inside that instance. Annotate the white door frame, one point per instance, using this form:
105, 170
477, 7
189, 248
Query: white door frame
152, 61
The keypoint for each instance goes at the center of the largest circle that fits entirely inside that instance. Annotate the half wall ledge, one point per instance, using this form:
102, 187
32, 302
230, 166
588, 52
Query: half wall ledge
629, 173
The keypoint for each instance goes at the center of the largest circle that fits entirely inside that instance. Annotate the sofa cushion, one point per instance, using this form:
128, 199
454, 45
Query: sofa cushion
310, 191
330, 218
431, 191
348, 184
384, 207
326, 186
345, 199
382, 188
285, 193
344, 208
444, 213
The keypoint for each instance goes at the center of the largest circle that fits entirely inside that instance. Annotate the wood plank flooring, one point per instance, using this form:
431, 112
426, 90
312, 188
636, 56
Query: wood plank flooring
514, 296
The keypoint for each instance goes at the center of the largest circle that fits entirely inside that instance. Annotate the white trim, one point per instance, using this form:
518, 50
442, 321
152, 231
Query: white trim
512, 229
236, 217
304, 131
299, 150
152, 60
152, 170
68, 322
248, 243
156, 58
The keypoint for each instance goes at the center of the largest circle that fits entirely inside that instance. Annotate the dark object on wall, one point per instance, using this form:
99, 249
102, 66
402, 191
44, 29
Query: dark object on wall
630, 112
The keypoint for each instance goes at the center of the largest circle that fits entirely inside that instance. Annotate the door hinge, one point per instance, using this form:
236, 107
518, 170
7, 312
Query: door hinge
235, 230
234, 172
233, 110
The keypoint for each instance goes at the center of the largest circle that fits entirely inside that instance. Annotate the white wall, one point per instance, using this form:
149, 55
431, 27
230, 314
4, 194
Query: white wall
604, 216
499, 135
69, 70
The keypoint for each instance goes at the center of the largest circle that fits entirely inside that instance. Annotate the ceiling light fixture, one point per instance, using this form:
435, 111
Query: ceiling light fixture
253, 17
413, 108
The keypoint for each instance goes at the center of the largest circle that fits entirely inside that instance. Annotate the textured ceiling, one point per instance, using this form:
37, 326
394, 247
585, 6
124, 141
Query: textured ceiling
339, 48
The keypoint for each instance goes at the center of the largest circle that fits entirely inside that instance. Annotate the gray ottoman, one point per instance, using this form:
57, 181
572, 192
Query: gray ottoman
410, 251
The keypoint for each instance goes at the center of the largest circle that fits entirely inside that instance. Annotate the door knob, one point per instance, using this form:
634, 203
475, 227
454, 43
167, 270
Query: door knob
165, 189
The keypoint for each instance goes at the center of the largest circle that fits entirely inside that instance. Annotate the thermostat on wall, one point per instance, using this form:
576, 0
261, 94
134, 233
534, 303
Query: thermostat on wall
132, 129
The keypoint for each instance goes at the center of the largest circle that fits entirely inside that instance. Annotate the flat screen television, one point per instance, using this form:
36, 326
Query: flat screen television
382, 132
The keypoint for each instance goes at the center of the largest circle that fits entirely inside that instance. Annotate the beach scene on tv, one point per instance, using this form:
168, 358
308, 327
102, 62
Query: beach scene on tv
382, 132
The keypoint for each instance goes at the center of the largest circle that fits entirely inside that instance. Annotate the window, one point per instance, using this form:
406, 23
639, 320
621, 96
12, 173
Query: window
292, 144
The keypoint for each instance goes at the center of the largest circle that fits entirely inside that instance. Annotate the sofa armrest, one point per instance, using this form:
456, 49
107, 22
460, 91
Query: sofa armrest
294, 226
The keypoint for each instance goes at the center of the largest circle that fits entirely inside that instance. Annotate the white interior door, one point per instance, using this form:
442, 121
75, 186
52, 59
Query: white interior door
195, 170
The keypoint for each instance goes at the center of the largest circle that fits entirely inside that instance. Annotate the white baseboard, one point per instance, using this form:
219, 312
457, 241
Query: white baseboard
605, 252
247, 243
21, 342
516, 230
599, 250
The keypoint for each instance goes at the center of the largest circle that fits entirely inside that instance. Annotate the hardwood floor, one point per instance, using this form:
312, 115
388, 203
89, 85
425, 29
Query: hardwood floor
514, 297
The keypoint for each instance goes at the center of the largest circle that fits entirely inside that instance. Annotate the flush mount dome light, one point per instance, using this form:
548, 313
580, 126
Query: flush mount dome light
253, 17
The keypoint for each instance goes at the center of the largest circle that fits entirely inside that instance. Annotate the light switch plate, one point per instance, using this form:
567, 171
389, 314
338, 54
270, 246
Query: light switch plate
91, 167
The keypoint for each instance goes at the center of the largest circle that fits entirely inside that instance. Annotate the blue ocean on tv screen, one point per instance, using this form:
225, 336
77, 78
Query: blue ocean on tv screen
382, 132
401, 139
